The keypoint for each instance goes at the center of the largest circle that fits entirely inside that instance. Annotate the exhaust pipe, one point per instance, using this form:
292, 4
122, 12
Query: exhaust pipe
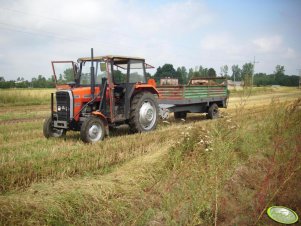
92, 75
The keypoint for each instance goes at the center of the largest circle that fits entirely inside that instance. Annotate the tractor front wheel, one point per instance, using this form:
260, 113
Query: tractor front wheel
92, 130
50, 131
144, 112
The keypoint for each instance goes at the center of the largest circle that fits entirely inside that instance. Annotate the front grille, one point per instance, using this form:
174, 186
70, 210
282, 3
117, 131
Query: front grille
63, 105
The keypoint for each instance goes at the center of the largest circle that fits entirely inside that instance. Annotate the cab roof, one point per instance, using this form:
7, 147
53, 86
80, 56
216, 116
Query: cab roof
115, 57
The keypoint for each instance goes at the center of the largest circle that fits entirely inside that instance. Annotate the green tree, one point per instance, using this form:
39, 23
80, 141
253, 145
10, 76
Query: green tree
203, 72
279, 74
224, 70
211, 73
200, 71
279, 70
236, 73
50, 82
68, 75
39, 82
157, 75
7, 84
167, 71
119, 77
261, 79
22, 84
60, 79
247, 73
292, 80
196, 73
182, 75
190, 74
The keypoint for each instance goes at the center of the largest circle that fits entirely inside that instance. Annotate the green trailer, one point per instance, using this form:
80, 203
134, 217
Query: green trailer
201, 95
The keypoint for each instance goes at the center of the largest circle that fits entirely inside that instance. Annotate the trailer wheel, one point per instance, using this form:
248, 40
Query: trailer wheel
49, 131
180, 115
144, 112
92, 130
213, 111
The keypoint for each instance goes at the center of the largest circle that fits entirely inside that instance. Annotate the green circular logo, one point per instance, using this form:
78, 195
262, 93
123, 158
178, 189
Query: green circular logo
282, 214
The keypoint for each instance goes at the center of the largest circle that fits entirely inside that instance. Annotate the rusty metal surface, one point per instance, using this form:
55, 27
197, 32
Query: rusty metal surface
169, 81
171, 92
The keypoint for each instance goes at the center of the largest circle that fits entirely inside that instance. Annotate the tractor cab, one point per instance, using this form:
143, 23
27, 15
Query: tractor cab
78, 74
105, 88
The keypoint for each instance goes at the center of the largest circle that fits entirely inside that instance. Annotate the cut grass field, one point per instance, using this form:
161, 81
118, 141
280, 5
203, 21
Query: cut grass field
197, 172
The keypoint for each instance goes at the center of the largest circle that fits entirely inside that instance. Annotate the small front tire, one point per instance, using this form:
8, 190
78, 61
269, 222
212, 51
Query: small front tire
50, 131
92, 130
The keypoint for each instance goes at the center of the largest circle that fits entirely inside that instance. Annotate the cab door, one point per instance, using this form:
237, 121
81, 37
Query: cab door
64, 73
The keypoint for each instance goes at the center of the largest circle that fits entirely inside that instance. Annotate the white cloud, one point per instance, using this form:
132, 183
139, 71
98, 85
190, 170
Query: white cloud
225, 48
290, 53
215, 41
268, 44
48, 30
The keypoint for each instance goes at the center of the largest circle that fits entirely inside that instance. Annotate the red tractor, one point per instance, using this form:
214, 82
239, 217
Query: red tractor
102, 92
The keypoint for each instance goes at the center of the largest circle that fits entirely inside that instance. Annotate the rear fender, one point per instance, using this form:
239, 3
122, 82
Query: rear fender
147, 88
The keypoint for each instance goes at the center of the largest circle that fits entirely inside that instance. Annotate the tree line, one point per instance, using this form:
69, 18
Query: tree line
245, 74
37, 82
182, 74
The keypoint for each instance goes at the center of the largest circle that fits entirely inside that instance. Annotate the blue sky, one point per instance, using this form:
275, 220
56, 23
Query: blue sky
184, 33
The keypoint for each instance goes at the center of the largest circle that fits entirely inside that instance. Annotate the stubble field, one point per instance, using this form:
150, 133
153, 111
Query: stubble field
193, 172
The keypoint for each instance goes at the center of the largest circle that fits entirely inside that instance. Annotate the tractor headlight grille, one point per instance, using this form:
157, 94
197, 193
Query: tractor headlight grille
63, 104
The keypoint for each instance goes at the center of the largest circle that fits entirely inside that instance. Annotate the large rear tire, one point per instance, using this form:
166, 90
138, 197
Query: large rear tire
92, 130
144, 112
50, 131
213, 111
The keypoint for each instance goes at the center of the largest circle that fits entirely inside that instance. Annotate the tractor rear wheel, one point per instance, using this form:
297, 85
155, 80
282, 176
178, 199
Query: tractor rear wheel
50, 131
92, 130
213, 111
144, 112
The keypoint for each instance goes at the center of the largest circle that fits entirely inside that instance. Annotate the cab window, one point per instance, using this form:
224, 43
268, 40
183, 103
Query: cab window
99, 71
